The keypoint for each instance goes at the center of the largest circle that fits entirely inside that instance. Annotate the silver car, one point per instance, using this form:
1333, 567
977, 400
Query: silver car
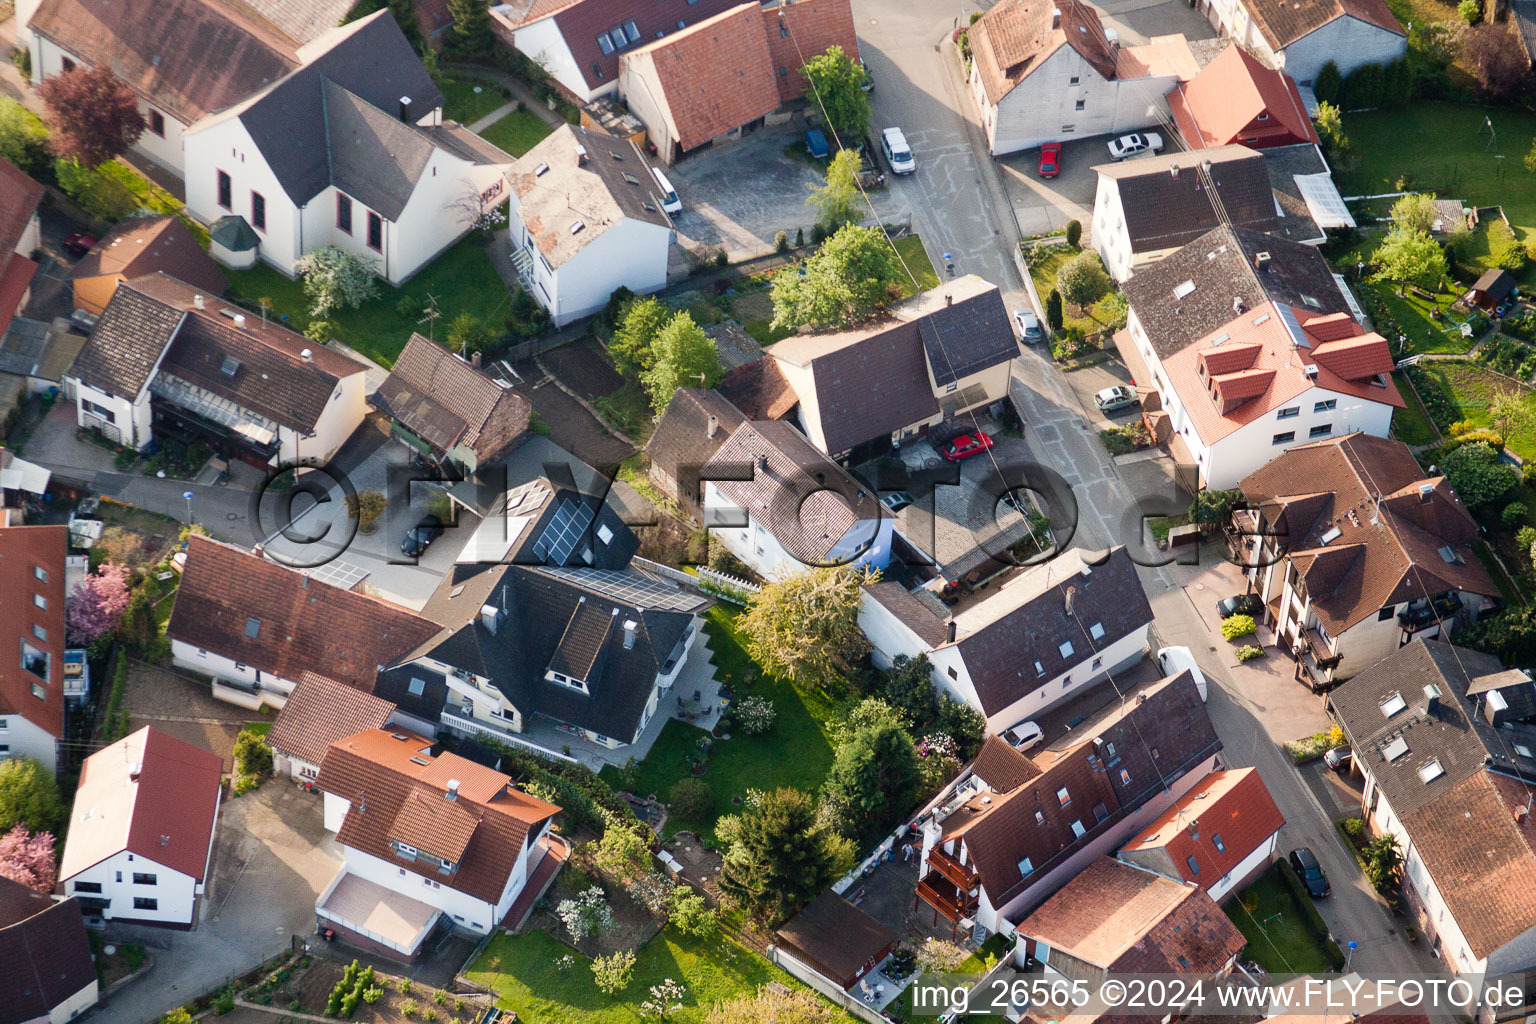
1029, 326
1115, 398
1134, 143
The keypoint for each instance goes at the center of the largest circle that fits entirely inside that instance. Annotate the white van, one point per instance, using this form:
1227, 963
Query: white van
669, 200
1173, 660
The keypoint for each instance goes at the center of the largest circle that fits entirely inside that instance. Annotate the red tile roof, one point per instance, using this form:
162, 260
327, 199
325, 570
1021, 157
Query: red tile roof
24, 549
715, 76
150, 794
1235, 98
300, 624
148, 245
1232, 806
19, 198
321, 711
813, 26
1282, 22
1016, 36
398, 791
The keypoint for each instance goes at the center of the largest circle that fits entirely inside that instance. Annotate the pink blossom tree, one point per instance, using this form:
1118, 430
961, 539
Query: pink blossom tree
97, 605
28, 859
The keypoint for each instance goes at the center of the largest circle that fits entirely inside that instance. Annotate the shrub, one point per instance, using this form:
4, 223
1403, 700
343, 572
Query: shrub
1364, 88
1074, 233
225, 1002
1053, 313
690, 798
781, 242
1471, 11
1327, 83
755, 714
408, 1007
721, 259
1234, 626
1248, 652
1525, 537
371, 995
404, 987
1513, 515
1354, 828
612, 973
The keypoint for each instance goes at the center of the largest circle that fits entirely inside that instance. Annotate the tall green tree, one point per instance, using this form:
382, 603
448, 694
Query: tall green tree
777, 855
1478, 476
682, 356
837, 202
1082, 280
837, 81
1410, 258
470, 34
806, 626
640, 320
28, 796
848, 278
1414, 213
1327, 84
873, 779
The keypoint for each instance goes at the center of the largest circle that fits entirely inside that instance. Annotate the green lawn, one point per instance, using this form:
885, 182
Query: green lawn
1475, 387
924, 277
516, 133
1279, 938
1044, 270
522, 970
1414, 315
1436, 146
1411, 425
461, 104
795, 752
462, 280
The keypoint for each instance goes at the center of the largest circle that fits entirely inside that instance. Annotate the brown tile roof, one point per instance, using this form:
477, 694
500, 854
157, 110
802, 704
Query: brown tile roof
715, 76
321, 711
807, 501
1283, 22
1224, 102
1001, 767
150, 794
1233, 806
187, 57
581, 20
1016, 36
1480, 860
23, 549
759, 390
446, 401
44, 954
681, 443
399, 792
126, 345
1166, 204
19, 198
300, 624
910, 611
1368, 566
1126, 919
814, 26
148, 245
836, 937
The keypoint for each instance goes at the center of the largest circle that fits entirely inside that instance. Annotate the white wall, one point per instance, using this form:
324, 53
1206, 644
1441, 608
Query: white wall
1261, 855
131, 417
1252, 445
756, 545
542, 41
76, 1004
631, 253
225, 145
341, 416
1348, 42
167, 151
887, 634
1049, 692
1232, 20
430, 222
645, 98
20, 738
175, 892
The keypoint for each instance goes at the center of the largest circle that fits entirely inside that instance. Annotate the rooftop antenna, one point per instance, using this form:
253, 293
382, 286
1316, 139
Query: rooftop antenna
429, 315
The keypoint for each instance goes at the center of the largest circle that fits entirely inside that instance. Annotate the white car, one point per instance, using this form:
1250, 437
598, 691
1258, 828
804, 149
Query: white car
897, 153
1029, 326
1136, 142
1024, 735
1173, 660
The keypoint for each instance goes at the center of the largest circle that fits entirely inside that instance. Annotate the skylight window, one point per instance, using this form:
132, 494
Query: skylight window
1432, 771
1396, 749
1260, 319
1393, 704
1450, 555
1309, 300
576, 228
1183, 290
541, 169
1026, 867
1334, 533
1522, 750
252, 627
1066, 649
1096, 631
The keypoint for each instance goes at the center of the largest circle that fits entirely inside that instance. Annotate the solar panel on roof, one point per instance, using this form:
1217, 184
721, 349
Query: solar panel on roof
567, 527
632, 588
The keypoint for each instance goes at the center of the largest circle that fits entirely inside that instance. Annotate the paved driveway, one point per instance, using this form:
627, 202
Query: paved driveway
1043, 205
272, 857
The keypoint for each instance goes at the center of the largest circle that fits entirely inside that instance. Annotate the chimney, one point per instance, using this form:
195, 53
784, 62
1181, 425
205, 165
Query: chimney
1521, 814
762, 462
134, 770
1071, 596
405, 109
1141, 697
629, 634
1056, 17
474, 360
240, 321
1426, 491
713, 427
949, 632
581, 156
307, 355
1173, 171
1261, 261
197, 301
453, 789
949, 300
490, 617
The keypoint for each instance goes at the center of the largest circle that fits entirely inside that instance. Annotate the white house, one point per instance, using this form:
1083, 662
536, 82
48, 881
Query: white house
1219, 836
1245, 345
427, 841
164, 356
1369, 556
585, 220
141, 830
781, 506
258, 627
1299, 38
1048, 633
1443, 739
1043, 72
349, 150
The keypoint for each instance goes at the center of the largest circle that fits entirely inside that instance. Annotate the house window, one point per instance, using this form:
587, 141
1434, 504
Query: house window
1288, 412
1109, 751
1321, 430
145, 903
1063, 797
101, 411
40, 601
1221, 847
1073, 80
952, 673
1263, 117
1194, 865
1026, 867
87, 887
1385, 613
39, 692
375, 232
258, 211
252, 626
1081, 104
417, 687
68, 64
1078, 829
157, 123
1285, 438
226, 191
40, 574
34, 661
143, 879
604, 44
1098, 663
343, 213
1327, 406
1125, 777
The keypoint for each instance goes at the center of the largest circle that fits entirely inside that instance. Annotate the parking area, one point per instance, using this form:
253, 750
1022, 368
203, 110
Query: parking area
1090, 380
739, 193
1043, 205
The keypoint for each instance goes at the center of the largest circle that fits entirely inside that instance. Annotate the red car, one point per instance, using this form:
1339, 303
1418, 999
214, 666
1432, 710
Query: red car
1050, 159
79, 243
966, 445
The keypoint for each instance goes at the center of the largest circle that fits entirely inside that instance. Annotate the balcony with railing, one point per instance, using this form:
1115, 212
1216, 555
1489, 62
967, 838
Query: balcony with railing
1431, 613
962, 876
952, 889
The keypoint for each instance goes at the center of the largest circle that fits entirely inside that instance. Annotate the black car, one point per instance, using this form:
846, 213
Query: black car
1311, 873
1241, 604
421, 536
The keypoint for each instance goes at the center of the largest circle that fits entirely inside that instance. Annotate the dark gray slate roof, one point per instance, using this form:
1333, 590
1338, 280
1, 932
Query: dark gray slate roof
1001, 655
234, 234
1167, 204
312, 134
1452, 733
133, 332
1283, 163
1220, 265
681, 444
967, 335
44, 955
